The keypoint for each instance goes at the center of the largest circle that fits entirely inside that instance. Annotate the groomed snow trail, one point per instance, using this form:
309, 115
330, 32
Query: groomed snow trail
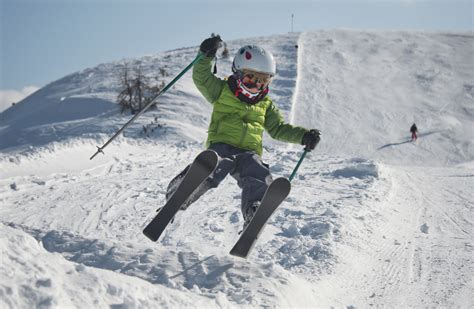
417, 252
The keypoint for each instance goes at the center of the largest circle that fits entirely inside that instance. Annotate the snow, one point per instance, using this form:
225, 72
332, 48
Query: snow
373, 219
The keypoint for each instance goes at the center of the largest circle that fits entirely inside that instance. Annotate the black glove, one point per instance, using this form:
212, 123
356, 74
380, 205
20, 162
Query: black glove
209, 46
311, 139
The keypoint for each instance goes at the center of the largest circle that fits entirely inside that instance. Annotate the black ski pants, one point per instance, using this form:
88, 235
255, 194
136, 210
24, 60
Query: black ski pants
252, 175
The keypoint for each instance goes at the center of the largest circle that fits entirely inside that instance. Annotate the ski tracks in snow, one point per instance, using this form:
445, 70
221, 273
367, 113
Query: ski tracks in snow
418, 251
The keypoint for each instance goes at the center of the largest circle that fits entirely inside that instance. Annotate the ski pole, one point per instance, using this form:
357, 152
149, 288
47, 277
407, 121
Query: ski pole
100, 149
293, 174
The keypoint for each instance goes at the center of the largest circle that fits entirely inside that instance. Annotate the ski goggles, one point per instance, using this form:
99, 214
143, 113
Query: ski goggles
255, 81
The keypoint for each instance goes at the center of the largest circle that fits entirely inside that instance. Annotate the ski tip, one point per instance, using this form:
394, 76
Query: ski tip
149, 235
283, 182
208, 153
208, 157
238, 254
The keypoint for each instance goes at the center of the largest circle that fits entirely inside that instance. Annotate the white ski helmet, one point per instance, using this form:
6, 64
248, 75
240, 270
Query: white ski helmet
254, 58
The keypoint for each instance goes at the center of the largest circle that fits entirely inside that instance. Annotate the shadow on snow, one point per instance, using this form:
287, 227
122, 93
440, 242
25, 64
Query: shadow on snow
409, 140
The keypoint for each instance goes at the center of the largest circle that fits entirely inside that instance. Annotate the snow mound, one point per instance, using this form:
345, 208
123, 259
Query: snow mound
358, 169
209, 280
45, 280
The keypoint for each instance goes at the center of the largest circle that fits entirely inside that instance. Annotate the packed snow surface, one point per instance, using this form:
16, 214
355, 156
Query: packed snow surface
373, 219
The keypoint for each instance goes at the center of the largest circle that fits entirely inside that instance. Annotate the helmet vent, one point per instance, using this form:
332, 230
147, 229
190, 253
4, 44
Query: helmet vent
248, 56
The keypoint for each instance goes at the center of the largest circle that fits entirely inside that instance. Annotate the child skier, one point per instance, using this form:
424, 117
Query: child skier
413, 131
241, 112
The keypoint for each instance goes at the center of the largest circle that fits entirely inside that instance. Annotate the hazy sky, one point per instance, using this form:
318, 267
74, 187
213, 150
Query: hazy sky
44, 40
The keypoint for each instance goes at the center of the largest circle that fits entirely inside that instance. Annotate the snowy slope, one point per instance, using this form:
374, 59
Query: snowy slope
364, 224
372, 86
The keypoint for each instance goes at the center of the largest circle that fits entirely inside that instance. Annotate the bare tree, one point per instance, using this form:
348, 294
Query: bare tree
139, 84
163, 72
125, 97
139, 90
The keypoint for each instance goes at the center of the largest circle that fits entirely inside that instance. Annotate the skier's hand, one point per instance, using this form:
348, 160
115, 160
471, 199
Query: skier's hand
311, 139
209, 46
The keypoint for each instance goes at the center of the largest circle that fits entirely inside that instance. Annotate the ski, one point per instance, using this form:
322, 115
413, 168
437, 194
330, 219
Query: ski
199, 171
274, 196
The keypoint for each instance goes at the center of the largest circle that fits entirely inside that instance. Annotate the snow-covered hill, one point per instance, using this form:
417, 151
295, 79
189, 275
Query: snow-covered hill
372, 219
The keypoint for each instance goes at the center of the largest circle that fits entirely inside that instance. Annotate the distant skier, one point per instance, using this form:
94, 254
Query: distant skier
242, 111
413, 131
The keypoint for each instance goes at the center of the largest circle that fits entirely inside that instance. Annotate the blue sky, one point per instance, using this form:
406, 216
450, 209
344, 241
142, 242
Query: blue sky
44, 40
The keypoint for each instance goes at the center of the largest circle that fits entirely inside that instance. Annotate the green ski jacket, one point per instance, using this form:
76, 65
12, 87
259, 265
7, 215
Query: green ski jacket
235, 122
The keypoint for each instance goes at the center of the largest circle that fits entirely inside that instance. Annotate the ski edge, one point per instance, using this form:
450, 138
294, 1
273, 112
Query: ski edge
234, 251
147, 230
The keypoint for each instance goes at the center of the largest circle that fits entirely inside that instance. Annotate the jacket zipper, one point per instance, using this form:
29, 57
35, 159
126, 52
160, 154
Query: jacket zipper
244, 132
